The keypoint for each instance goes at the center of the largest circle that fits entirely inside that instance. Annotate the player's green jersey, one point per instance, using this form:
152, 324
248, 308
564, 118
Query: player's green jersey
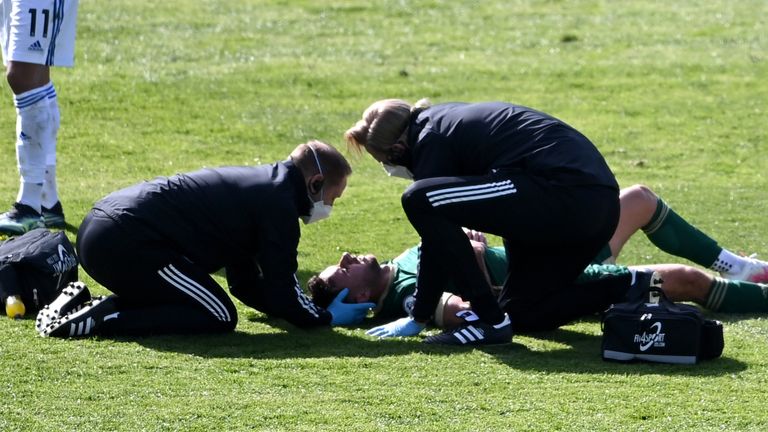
397, 301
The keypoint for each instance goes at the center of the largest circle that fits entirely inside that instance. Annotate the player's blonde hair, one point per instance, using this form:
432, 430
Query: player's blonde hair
382, 124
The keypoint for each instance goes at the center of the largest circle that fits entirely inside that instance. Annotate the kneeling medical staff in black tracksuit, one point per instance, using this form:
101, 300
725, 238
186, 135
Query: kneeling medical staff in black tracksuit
502, 169
155, 244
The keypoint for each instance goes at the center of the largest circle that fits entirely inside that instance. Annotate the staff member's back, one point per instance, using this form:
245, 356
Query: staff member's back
498, 168
155, 244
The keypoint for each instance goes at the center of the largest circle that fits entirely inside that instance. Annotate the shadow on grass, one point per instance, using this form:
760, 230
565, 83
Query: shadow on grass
291, 343
580, 353
72, 229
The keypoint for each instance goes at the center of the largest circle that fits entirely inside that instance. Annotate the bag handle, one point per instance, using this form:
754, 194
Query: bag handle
654, 295
661, 299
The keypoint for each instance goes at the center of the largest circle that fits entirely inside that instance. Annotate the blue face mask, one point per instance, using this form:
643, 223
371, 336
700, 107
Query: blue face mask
397, 171
320, 210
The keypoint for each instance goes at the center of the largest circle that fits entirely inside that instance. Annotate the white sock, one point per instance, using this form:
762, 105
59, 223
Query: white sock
728, 262
30, 194
50, 194
503, 322
33, 128
48, 142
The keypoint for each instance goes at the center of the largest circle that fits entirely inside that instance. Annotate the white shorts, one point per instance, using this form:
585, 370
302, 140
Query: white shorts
38, 31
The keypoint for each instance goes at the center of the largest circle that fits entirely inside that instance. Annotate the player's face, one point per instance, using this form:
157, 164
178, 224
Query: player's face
376, 154
359, 273
332, 192
395, 154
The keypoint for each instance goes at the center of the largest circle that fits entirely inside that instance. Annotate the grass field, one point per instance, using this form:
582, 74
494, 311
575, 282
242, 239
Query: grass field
673, 93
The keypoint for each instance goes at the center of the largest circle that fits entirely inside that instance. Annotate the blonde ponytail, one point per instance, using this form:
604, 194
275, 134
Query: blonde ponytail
357, 135
382, 124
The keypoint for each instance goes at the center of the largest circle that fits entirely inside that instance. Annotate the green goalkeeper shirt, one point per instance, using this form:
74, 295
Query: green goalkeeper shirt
397, 301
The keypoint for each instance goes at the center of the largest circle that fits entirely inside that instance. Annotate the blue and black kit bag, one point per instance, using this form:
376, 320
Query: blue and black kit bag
36, 266
655, 329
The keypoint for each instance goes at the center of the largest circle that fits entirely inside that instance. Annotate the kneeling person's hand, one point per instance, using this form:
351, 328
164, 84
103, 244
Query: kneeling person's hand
347, 313
402, 327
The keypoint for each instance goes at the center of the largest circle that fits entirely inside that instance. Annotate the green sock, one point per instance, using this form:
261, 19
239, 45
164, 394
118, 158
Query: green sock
672, 234
737, 296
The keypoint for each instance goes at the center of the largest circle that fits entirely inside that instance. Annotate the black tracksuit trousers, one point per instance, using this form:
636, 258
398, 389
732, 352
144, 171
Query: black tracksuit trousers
551, 231
157, 289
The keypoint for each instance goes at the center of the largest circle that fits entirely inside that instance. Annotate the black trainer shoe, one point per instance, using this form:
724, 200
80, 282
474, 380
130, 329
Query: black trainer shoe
70, 300
54, 217
84, 322
20, 219
475, 332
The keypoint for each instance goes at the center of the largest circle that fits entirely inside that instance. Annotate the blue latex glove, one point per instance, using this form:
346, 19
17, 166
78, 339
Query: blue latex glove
402, 327
347, 313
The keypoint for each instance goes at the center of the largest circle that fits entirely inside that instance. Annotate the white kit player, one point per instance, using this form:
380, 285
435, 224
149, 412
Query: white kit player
35, 35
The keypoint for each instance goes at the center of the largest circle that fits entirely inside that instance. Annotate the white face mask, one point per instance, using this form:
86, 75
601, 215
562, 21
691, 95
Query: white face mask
397, 171
320, 210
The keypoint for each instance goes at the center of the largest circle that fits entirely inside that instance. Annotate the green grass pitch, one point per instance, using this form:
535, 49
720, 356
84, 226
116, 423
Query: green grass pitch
673, 93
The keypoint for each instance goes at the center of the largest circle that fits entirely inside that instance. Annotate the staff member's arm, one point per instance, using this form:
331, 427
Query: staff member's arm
433, 157
269, 284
